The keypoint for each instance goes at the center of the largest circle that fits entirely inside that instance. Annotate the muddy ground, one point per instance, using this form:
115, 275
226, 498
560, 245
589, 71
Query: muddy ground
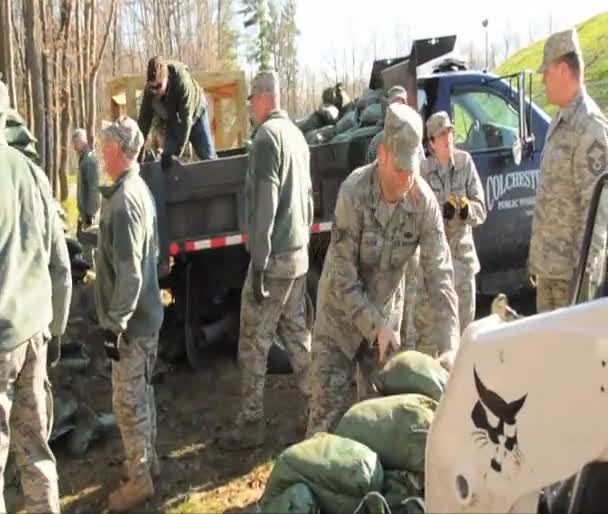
193, 410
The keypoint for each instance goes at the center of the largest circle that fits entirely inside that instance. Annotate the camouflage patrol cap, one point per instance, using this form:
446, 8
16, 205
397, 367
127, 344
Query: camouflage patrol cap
558, 45
437, 122
4, 100
403, 135
265, 82
125, 131
397, 93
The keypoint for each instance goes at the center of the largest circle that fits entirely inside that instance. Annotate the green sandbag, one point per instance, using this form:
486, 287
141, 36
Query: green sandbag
344, 136
371, 115
400, 485
412, 372
297, 499
395, 427
320, 136
346, 122
339, 471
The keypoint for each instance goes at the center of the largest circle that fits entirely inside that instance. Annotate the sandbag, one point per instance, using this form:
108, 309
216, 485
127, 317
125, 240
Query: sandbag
400, 485
344, 136
372, 115
320, 136
328, 114
395, 427
412, 372
296, 499
369, 97
311, 122
346, 122
339, 471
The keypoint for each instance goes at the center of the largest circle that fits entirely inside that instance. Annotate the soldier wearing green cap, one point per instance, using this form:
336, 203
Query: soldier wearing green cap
384, 213
454, 180
279, 215
575, 153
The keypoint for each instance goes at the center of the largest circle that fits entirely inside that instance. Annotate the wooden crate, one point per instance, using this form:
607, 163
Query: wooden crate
226, 93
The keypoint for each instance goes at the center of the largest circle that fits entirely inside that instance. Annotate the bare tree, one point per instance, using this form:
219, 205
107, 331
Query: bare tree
6, 43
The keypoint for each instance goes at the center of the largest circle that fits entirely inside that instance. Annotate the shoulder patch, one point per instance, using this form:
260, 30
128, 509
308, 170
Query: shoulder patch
597, 158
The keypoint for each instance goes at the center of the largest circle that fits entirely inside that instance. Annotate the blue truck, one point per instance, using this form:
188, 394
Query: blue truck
200, 204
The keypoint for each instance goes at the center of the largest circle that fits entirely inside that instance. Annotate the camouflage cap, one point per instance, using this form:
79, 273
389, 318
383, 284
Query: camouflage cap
437, 122
4, 99
403, 135
125, 131
397, 93
265, 82
558, 45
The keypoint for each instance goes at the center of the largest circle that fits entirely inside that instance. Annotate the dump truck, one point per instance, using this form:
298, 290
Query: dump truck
200, 204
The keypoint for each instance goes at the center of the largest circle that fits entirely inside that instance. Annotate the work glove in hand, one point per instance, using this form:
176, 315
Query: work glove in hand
259, 291
111, 342
464, 208
449, 207
53, 352
166, 161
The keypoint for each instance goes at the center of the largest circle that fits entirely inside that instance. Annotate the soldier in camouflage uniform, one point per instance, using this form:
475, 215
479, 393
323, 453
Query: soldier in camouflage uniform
575, 153
395, 94
87, 193
453, 178
279, 210
35, 293
384, 212
129, 307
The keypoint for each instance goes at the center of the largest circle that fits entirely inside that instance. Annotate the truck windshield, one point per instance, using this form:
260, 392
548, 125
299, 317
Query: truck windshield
483, 120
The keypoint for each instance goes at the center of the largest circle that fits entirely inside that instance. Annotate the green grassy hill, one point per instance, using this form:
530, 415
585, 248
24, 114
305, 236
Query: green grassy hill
593, 35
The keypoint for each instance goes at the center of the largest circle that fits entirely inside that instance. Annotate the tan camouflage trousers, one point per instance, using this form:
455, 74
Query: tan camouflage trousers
283, 314
464, 284
24, 384
133, 401
408, 329
551, 294
331, 377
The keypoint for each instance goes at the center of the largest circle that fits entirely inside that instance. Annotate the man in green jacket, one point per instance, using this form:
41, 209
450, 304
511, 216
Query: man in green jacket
178, 100
279, 213
35, 294
128, 306
87, 192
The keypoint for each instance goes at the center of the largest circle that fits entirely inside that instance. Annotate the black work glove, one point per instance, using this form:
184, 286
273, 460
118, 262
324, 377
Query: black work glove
111, 344
88, 221
449, 208
53, 352
464, 208
166, 161
259, 291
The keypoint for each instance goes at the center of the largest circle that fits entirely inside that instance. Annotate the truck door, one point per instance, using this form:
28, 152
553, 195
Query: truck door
490, 121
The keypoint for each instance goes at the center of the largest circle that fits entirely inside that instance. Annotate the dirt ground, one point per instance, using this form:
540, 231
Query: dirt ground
193, 410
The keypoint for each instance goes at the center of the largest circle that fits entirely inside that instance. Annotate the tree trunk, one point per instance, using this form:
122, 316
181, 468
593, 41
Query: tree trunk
47, 78
32, 32
82, 54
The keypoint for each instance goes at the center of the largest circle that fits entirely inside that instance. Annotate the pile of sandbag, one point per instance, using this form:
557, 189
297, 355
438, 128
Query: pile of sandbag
341, 119
374, 462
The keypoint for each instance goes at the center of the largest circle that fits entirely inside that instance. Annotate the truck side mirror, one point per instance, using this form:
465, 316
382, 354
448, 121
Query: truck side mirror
590, 280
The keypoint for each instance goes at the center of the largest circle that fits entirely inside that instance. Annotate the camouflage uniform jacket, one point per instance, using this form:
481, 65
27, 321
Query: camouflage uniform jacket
460, 179
279, 199
361, 286
181, 105
575, 153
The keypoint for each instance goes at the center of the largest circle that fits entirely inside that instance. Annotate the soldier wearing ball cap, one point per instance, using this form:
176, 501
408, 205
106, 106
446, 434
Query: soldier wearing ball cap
384, 213
454, 180
575, 154
128, 305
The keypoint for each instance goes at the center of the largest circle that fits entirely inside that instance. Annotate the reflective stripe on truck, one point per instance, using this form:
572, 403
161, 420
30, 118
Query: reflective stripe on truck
229, 240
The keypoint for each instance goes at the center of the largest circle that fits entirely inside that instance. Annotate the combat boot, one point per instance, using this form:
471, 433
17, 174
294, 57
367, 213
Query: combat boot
131, 493
248, 434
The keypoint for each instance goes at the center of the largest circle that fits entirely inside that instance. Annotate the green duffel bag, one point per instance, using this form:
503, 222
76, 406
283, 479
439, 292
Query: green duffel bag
400, 486
339, 471
412, 372
344, 136
372, 115
395, 427
347, 122
297, 499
